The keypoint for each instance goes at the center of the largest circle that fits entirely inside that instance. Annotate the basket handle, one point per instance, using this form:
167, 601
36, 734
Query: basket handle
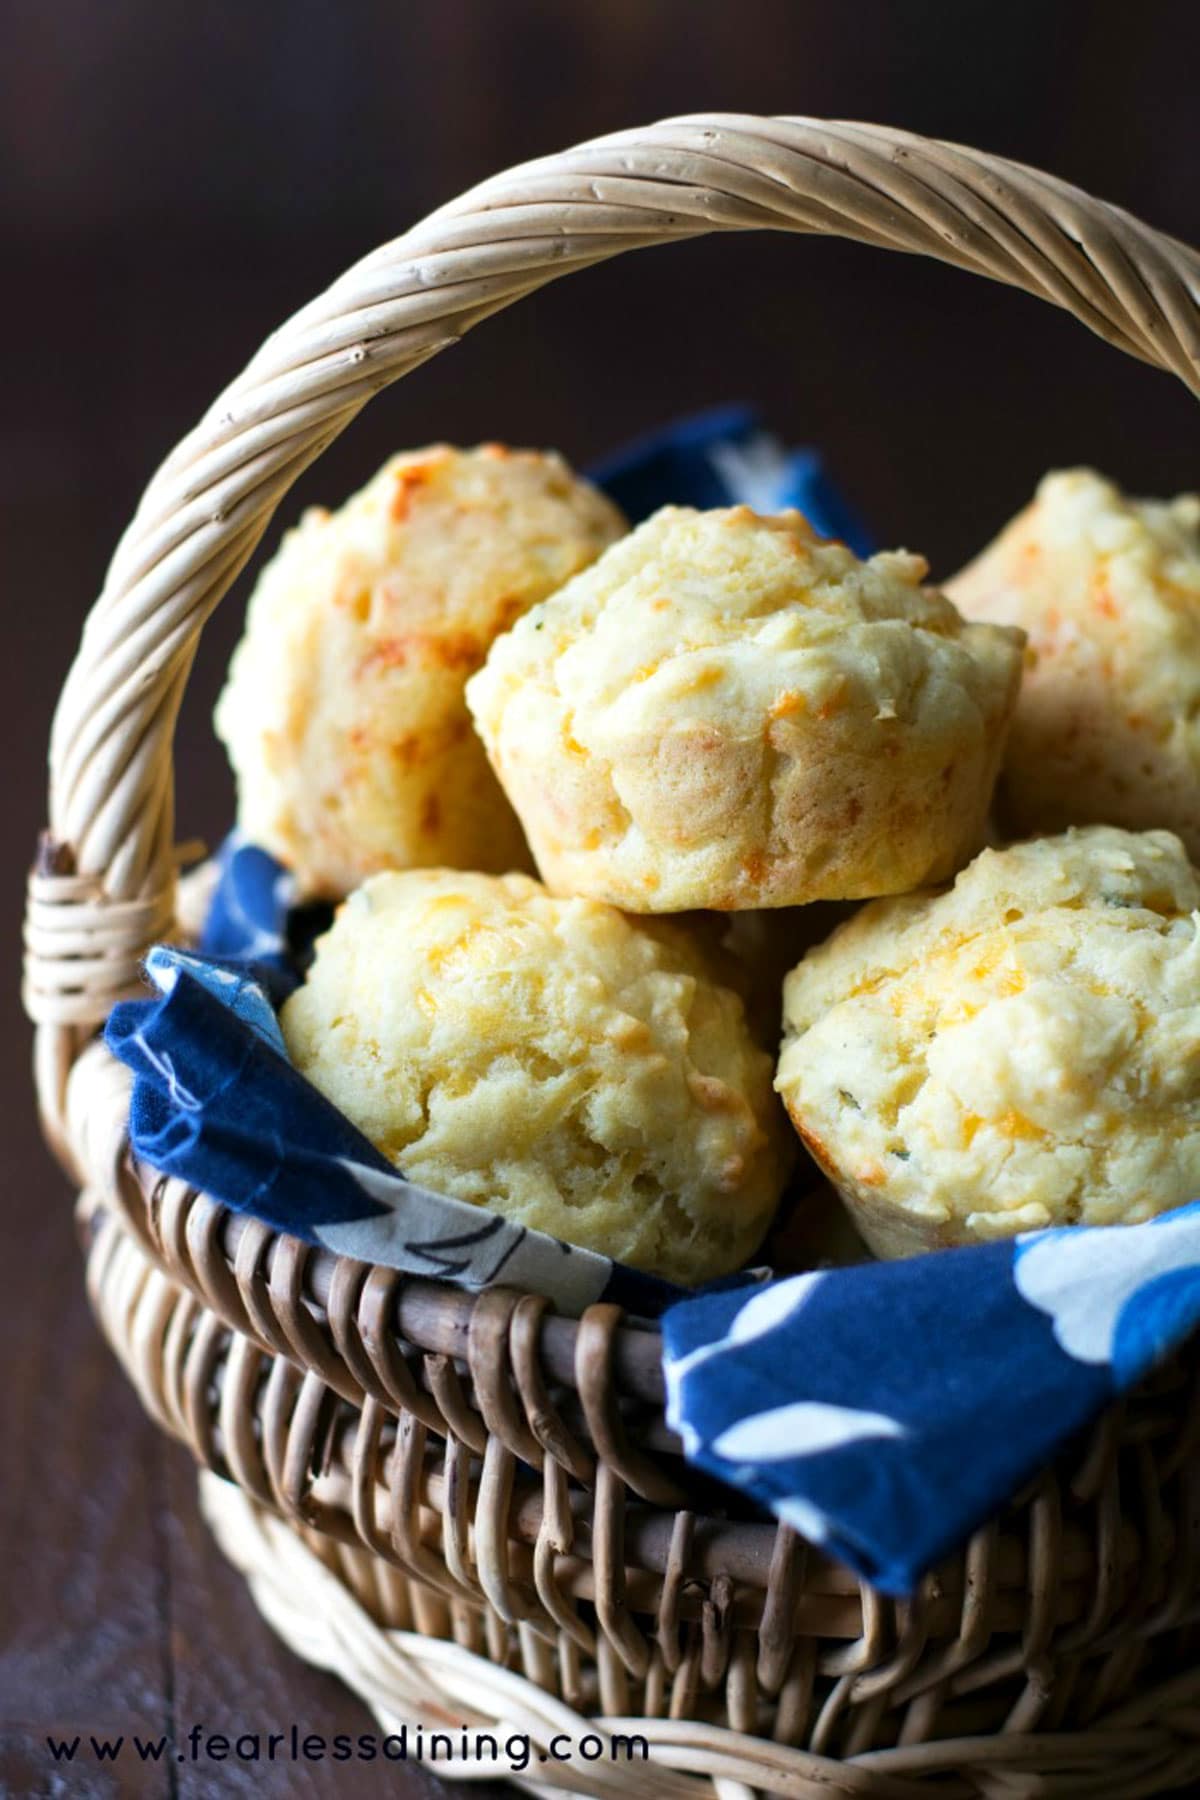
104, 888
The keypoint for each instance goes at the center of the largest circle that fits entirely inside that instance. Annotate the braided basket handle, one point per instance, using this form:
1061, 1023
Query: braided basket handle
105, 890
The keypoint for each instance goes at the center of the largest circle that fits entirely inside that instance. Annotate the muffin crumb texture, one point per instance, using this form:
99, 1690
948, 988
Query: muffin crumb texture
1020, 1051
550, 1059
1107, 726
728, 712
343, 714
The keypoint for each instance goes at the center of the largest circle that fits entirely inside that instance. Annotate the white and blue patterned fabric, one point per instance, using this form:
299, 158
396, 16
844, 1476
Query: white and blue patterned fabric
251, 912
887, 1410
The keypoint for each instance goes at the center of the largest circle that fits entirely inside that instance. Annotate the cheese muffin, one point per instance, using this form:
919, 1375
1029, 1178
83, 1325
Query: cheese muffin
727, 711
551, 1060
343, 714
1022, 1050
1107, 726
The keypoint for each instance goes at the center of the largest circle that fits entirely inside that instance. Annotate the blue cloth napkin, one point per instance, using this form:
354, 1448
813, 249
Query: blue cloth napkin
249, 916
887, 1410
723, 457
254, 921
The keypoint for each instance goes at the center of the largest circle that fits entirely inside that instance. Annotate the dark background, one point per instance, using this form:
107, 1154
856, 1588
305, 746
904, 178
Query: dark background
174, 180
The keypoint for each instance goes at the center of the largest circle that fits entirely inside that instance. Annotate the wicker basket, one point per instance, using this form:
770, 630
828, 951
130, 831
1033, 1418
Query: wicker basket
469, 1508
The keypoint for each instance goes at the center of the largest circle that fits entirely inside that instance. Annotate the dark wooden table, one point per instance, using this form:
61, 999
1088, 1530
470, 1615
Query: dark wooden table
184, 180
117, 1613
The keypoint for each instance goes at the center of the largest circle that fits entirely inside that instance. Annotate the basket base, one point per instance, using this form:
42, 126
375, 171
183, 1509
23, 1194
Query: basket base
417, 1685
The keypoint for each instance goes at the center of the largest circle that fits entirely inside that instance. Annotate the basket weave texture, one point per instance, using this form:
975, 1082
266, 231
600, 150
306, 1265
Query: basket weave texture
466, 1506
